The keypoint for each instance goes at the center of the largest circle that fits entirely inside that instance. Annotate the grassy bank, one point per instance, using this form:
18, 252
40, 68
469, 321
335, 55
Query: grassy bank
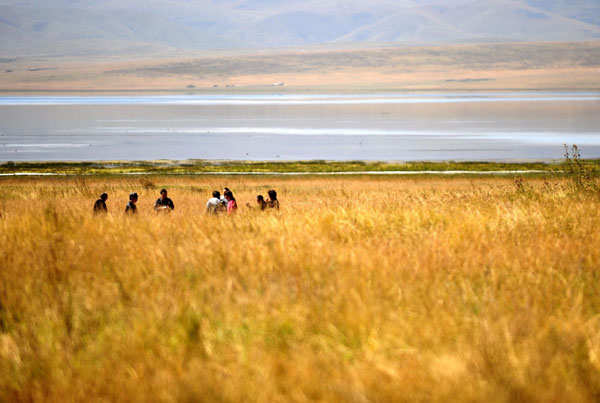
199, 167
359, 289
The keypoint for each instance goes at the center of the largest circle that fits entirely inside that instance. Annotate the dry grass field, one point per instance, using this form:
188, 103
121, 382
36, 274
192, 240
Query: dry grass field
360, 289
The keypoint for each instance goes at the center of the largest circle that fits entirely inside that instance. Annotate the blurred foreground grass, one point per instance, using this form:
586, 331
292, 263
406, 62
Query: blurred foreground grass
359, 289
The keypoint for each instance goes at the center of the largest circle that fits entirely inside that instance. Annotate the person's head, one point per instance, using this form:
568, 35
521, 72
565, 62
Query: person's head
163, 193
272, 194
104, 196
228, 195
133, 197
225, 190
260, 199
217, 194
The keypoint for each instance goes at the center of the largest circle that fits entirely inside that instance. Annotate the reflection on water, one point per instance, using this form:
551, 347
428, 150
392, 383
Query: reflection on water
291, 127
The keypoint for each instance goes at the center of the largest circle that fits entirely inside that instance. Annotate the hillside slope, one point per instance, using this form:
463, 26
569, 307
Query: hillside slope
84, 27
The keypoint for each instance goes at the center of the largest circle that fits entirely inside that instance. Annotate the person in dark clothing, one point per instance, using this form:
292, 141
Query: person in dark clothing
163, 203
100, 205
272, 202
260, 201
131, 208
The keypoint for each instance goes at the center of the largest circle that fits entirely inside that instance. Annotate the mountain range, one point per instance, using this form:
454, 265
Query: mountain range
117, 27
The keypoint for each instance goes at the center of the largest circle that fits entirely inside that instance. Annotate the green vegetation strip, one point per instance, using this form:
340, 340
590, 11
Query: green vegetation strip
208, 167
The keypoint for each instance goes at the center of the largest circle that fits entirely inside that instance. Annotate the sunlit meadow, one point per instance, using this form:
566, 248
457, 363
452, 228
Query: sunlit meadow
359, 289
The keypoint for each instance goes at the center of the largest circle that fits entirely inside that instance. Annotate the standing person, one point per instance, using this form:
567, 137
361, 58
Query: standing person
231, 203
163, 203
272, 202
131, 208
215, 204
100, 205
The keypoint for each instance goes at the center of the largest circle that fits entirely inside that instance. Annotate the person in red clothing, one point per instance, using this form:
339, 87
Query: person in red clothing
231, 203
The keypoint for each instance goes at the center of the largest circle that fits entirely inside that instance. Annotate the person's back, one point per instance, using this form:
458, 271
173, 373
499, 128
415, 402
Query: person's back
100, 204
215, 205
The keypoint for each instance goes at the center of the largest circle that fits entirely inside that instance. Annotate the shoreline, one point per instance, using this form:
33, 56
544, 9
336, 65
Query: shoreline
290, 98
349, 173
287, 168
288, 91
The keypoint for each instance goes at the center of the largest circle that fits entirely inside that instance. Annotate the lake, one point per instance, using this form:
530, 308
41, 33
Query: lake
393, 127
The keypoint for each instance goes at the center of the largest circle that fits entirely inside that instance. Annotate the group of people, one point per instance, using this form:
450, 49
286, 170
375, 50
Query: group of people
227, 202
215, 205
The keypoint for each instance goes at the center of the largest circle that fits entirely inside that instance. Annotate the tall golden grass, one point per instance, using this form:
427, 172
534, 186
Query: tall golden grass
359, 289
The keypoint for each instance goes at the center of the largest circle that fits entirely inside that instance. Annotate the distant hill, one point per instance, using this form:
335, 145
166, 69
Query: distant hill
117, 27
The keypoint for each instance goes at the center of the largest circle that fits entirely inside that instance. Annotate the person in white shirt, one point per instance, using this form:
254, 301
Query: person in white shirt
223, 199
215, 205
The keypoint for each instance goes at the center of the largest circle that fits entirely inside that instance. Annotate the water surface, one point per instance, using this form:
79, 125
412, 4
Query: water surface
471, 126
